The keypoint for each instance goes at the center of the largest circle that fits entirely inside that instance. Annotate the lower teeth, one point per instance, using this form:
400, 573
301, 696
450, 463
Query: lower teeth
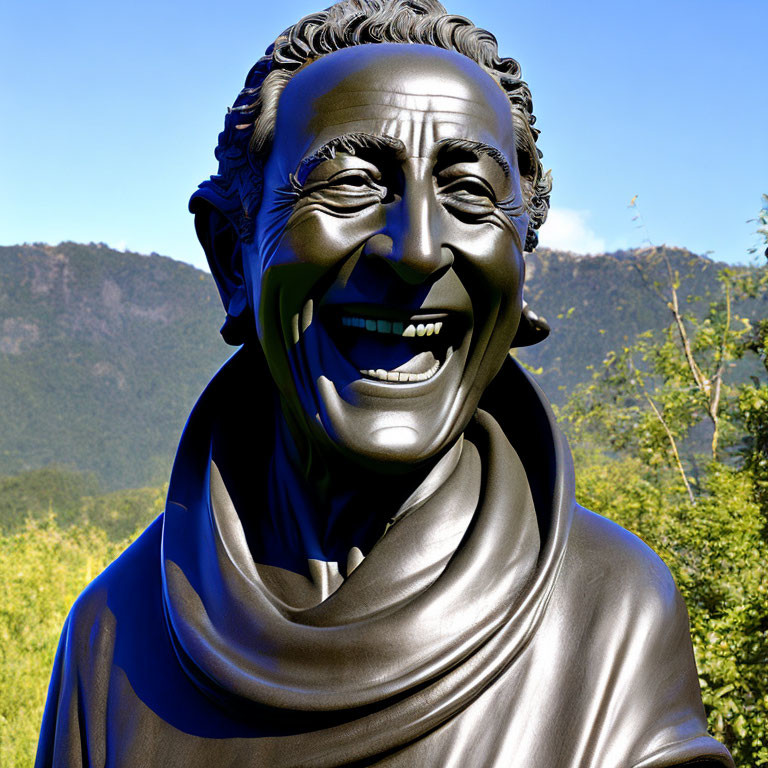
401, 376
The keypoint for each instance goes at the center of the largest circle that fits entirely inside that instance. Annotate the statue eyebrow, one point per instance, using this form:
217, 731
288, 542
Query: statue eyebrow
351, 143
477, 148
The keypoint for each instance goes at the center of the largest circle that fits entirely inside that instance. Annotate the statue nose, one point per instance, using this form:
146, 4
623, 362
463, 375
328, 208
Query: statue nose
412, 243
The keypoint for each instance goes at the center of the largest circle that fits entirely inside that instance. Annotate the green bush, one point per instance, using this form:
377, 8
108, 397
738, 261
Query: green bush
43, 568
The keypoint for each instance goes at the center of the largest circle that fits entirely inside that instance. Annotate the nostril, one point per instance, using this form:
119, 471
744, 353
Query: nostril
379, 245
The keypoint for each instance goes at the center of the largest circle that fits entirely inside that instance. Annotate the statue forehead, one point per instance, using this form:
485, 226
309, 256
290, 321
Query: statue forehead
385, 88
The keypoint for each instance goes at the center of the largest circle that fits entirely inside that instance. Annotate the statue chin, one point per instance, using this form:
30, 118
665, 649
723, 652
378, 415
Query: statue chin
402, 416
370, 429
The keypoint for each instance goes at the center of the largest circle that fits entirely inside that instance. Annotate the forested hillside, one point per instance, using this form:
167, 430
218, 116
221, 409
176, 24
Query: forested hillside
102, 355
595, 304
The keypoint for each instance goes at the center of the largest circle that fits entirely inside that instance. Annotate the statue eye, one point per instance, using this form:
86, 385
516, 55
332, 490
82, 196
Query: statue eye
353, 178
469, 198
344, 192
469, 187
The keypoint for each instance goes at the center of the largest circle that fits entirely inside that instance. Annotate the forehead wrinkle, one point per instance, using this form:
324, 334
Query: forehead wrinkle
395, 109
394, 124
389, 92
395, 112
407, 129
455, 123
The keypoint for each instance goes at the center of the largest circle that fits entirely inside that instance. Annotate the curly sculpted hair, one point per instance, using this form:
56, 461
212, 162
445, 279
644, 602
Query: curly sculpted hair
244, 143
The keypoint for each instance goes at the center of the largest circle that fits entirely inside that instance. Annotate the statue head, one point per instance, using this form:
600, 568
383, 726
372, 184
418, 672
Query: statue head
378, 184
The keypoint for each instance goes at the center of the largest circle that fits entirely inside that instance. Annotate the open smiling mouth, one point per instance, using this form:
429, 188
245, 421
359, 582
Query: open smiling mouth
397, 347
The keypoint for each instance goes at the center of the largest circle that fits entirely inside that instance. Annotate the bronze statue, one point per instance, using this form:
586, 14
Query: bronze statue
371, 553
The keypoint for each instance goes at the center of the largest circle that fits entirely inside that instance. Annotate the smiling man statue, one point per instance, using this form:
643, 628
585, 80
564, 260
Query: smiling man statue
371, 554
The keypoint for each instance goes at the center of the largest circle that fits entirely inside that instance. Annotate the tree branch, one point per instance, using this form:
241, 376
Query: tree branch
673, 445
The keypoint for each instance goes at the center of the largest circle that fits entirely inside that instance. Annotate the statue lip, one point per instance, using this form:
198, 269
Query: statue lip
393, 313
405, 373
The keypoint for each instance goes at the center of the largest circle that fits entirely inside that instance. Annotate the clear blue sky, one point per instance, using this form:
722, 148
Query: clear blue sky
111, 112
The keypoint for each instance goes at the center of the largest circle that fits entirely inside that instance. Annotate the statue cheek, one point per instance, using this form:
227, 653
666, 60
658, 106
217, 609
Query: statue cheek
323, 238
312, 248
493, 258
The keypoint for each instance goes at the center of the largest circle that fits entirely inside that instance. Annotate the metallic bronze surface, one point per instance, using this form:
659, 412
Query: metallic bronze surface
371, 553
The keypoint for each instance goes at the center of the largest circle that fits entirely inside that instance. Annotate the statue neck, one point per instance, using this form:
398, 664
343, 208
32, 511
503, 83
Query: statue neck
320, 504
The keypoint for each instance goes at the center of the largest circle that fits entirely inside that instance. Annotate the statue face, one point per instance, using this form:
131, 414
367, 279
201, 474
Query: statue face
386, 270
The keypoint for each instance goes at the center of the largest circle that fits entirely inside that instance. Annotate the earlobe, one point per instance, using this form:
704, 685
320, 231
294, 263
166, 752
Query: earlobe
532, 328
222, 245
238, 302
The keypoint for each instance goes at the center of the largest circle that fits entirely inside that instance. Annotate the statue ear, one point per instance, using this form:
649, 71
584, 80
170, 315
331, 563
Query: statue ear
532, 328
221, 242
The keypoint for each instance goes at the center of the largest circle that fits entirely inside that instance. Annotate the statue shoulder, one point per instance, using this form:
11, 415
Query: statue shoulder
622, 569
135, 572
82, 669
627, 624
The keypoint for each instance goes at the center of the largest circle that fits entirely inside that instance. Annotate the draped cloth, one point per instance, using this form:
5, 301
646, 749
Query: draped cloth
496, 623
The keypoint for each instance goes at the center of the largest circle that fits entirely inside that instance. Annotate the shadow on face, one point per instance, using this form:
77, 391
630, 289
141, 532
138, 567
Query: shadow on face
386, 269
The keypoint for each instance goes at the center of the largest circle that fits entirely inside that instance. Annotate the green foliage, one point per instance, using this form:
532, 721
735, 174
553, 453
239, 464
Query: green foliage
753, 414
43, 567
56, 534
596, 304
41, 491
672, 394
73, 498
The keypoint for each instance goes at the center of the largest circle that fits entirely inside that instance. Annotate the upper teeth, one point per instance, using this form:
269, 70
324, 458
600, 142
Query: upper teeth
387, 326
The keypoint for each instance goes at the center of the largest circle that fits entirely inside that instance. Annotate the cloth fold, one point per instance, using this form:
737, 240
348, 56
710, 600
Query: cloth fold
407, 617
